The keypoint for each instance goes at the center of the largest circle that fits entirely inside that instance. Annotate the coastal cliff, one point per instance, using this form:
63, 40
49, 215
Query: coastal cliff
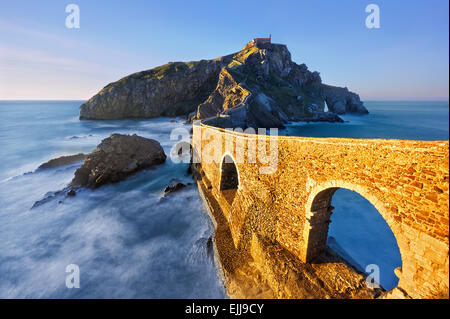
172, 89
259, 86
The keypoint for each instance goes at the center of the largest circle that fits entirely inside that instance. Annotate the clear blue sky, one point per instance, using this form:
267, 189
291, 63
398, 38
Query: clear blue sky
407, 58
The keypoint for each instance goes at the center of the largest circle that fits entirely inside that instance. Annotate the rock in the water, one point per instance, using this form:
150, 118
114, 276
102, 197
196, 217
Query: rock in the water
71, 193
63, 160
341, 100
115, 158
324, 117
174, 188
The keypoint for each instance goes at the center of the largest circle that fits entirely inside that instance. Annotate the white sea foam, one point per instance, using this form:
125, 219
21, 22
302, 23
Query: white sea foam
127, 241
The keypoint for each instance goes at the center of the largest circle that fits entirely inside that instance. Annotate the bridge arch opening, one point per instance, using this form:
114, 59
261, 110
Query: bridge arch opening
350, 225
229, 178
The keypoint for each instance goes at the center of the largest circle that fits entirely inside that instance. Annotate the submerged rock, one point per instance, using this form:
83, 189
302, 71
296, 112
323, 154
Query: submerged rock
48, 197
171, 189
62, 160
71, 193
115, 158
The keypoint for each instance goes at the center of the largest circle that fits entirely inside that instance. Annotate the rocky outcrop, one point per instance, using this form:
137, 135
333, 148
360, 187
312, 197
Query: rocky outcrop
341, 100
173, 188
323, 117
277, 90
259, 86
170, 90
62, 160
115, 158
227, 95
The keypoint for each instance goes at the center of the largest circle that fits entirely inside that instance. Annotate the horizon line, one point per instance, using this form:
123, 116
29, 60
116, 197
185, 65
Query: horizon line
362, 100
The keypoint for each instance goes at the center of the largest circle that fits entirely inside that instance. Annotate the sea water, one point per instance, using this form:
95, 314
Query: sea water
408, 120
127, 240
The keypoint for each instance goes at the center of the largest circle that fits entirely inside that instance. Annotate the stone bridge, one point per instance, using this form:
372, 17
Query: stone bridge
406, 181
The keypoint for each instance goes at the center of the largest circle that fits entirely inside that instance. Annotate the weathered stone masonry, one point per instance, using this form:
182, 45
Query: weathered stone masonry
406, 181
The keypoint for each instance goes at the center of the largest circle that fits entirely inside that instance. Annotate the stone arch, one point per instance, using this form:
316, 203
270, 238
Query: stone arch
319, 210
229, 178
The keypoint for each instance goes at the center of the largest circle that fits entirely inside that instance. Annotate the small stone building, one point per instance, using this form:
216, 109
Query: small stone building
262, 40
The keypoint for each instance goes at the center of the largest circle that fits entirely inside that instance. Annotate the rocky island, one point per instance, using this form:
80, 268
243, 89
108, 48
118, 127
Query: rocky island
258, 86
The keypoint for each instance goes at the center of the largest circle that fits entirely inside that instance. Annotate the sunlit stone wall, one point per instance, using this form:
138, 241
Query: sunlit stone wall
406, 181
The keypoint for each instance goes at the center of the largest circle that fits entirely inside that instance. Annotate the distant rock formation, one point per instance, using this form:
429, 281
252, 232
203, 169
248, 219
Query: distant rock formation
259, 86
115, 158
341, 100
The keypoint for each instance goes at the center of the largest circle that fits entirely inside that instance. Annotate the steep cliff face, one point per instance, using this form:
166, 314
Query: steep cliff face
227, 95
280, 90
169, 90
259, 86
